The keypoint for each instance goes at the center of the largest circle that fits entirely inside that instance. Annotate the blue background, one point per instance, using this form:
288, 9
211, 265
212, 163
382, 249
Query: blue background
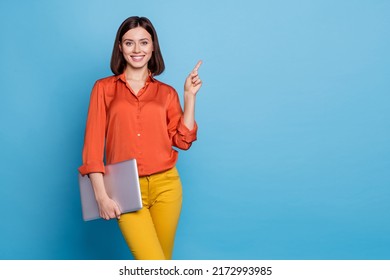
292, 159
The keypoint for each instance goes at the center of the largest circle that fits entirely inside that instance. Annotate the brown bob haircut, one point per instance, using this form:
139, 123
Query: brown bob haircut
118, 63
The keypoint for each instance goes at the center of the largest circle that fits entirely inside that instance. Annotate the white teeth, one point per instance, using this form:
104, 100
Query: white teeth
137, 58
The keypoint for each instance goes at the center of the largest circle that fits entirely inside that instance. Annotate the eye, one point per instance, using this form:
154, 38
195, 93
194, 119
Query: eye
128, 43
144, 43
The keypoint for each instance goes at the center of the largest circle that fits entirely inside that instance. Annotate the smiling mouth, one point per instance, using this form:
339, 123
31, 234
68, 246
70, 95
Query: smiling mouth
137, 58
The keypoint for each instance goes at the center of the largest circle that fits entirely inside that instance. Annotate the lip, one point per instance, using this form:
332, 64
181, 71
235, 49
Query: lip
137, 58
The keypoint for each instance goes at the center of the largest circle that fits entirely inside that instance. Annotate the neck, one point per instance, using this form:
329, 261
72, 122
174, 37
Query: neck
136, 74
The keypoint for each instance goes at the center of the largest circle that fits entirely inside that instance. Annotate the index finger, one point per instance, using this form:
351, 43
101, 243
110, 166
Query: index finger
198, 65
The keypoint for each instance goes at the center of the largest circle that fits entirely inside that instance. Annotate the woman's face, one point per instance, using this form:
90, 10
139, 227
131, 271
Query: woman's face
137, 47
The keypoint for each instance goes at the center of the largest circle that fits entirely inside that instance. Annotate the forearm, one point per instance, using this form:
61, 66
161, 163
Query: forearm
108, 208
98, 186
189, 110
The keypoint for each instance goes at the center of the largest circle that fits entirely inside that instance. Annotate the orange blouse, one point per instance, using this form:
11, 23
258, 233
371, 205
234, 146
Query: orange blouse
122, 125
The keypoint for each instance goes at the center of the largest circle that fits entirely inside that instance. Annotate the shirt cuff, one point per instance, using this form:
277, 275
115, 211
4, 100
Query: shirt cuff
93, 167
188, 136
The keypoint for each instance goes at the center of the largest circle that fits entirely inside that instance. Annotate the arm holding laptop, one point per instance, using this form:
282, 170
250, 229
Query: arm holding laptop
94, 141
107, 207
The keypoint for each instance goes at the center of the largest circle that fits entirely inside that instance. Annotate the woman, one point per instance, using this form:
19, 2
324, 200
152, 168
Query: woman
133, 115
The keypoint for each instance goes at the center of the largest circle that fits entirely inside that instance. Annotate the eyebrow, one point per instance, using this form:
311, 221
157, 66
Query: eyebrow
133, 40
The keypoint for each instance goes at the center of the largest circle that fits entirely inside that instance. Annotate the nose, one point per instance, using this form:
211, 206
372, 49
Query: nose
136, 48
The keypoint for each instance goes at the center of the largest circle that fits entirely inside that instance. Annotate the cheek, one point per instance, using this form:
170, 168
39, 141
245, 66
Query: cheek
124, 49
150, 49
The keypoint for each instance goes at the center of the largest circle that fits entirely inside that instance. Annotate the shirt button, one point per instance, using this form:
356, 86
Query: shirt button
138, 134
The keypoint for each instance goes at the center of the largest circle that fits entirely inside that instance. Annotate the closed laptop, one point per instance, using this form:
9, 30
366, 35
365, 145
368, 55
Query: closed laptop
122, 185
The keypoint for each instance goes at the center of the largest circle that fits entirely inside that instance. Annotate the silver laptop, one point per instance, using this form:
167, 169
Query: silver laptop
122, 185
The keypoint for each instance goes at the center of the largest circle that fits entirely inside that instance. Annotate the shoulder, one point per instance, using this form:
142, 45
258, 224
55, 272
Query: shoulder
106, 81
105, 85
104, 88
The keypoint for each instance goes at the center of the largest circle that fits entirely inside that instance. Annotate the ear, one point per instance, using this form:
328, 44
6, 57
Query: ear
120, 47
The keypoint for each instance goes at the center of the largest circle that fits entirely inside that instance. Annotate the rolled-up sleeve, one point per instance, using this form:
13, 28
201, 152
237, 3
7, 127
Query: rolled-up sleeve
182, 137
185, 134
94, 138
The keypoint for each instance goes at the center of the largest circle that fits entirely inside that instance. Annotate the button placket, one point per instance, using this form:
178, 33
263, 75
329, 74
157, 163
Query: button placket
138, 131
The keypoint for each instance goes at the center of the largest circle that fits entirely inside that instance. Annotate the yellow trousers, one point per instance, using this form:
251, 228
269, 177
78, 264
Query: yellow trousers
150, 232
